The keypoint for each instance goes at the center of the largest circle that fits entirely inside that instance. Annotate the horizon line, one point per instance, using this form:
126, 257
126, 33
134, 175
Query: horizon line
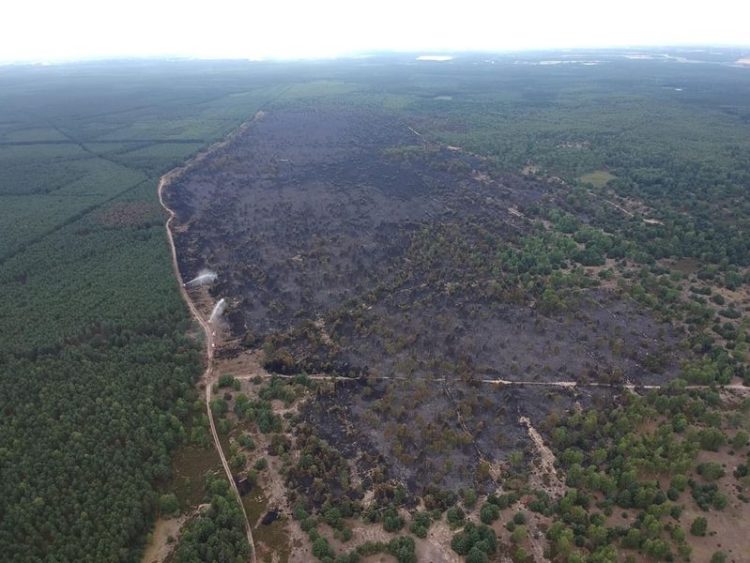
177, 57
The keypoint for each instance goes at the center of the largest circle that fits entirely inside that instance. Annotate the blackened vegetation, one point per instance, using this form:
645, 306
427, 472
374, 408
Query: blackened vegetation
467, 336
244, 486
346, 244
321, 473
438, 436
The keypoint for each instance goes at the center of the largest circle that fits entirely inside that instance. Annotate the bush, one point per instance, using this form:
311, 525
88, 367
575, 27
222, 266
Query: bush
740, 440
699, 526
710, 471
403, 549
474, 537
226, 380
711, 439
519, 534
455, 517
679, 483
237, 462
675, 511
708, 495
503, 501
299, 512
321, 548
420, 524
246, 441
470, 498
476, 555
392, 521
168, 504
332, 517
521, 555
489, 513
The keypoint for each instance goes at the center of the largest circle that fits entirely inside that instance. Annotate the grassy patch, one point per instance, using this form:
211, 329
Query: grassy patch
597, 178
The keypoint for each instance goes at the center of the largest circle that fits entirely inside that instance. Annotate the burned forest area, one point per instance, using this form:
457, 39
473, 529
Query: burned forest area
348, 245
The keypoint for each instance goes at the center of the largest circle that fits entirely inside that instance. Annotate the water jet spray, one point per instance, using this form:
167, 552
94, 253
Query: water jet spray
218, 310
204, 277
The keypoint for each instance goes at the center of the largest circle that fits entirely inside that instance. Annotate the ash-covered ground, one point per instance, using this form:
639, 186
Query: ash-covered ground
346, 244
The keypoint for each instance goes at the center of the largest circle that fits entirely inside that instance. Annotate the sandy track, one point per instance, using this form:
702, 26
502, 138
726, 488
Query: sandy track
208, 374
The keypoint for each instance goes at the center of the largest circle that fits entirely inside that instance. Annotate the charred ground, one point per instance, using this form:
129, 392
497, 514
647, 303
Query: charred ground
347, 244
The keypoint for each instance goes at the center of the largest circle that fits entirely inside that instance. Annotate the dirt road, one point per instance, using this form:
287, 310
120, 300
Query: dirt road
208, 331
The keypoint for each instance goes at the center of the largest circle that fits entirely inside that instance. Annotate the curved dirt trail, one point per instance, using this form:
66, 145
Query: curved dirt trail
164, 181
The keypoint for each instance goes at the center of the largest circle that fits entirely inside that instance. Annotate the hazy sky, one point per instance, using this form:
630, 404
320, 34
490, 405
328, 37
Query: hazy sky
71, 29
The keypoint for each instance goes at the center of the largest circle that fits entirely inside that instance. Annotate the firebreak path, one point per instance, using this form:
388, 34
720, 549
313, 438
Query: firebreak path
502, 382
210, 344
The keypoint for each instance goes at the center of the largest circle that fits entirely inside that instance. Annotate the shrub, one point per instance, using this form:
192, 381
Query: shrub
392, 521
740, 440
168, 504
710, 471
420, 524
455, 517
719, 557
699, 526
489, 513
472, 536
403, 549
321, 548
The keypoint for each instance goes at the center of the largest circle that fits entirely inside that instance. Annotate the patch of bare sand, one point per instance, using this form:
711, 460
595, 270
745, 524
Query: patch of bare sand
436, 547
320, 324
379, 558
543, 473
247, 363
160, 547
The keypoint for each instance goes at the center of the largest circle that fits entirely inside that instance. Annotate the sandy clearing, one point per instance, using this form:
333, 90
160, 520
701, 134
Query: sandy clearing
160, 548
